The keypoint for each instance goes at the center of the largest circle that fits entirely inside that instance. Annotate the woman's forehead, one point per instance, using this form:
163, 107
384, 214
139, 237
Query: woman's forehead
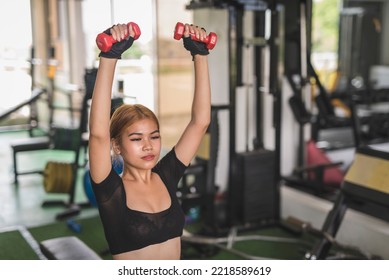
142, 126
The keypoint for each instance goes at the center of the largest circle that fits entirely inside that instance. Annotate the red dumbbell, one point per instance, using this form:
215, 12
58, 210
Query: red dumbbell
104, 41
210, 40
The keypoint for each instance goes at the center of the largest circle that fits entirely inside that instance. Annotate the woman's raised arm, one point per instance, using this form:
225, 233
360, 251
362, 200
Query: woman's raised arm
190, 140
99, 139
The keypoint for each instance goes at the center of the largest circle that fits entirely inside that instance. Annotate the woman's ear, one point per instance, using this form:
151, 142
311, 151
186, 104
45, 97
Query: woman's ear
115, 147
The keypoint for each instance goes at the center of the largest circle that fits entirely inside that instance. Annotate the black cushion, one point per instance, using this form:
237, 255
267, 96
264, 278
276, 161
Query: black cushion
67, 248
29, 144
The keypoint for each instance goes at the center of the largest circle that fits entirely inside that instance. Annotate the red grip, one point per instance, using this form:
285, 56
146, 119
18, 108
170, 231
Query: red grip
209, 40
104, 41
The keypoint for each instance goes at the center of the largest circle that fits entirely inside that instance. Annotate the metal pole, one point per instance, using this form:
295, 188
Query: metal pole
235, 18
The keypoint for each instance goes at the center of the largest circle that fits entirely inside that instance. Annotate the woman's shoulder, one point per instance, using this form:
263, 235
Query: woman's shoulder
112, 176
168, 159
105, 189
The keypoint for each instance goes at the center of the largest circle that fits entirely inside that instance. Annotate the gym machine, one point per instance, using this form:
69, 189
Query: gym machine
35, 95
361, 31
312, 166
253, 192
47, 135
309, 94
365, 185
61, 177
245, 210
39, 93
58, 177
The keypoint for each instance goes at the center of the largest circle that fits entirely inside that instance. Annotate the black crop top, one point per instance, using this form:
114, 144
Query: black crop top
126, 229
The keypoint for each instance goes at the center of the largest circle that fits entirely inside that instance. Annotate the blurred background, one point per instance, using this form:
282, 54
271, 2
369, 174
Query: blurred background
298, 86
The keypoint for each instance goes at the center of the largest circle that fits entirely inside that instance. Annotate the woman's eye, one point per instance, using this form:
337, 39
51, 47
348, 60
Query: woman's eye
155, 137
135, 139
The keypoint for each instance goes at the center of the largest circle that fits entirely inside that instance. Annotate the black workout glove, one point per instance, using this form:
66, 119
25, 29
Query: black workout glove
117, 48
195, 47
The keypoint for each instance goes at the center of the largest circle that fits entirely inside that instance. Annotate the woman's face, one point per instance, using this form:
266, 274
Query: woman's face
141, 144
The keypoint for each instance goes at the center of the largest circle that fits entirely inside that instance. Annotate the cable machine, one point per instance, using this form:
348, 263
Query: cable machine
254, 174
253, 199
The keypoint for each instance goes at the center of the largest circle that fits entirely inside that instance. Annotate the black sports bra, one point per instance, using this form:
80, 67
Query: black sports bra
126, 229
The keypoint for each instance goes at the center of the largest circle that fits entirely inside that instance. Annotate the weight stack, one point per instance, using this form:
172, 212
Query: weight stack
252, 192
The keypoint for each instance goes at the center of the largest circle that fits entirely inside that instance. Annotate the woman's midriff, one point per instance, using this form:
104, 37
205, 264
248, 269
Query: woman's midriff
168, 250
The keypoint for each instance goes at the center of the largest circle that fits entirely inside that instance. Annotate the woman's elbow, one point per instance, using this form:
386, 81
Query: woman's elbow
98, 133
201, 122
203, 125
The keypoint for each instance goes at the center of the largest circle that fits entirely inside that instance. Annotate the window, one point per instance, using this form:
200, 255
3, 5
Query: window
15, 48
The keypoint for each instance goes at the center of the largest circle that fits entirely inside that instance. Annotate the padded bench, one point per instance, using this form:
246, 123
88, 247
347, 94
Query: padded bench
35, 144
27, 145
67, 248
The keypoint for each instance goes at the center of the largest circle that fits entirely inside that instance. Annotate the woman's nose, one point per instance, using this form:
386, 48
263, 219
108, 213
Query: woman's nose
147, 146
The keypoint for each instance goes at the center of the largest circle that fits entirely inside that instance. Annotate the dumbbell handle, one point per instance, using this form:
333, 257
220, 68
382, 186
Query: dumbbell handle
209, 40
104, 41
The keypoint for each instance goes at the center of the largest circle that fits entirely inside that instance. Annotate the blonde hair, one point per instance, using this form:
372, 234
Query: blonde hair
126, 115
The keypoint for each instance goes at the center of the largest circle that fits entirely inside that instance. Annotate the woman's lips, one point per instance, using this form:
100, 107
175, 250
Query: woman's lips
148, 157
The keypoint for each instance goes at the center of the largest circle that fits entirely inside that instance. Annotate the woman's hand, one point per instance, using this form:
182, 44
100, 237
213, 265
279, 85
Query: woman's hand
193, 46
124, 35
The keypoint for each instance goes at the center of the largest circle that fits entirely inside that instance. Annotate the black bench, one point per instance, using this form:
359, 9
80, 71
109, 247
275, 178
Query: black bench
27, 145
67, 248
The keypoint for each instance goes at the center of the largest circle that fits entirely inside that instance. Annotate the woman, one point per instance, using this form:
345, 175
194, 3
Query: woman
140, 213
